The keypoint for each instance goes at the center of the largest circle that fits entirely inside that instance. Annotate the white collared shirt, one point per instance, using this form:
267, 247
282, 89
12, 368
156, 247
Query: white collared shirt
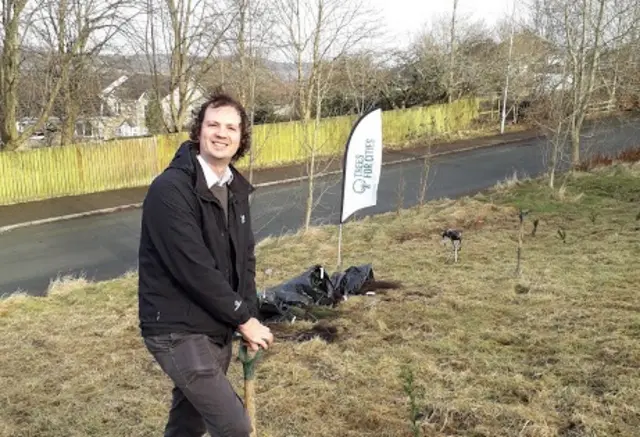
212, 178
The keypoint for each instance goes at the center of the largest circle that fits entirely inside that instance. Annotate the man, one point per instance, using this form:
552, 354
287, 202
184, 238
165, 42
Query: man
197, 273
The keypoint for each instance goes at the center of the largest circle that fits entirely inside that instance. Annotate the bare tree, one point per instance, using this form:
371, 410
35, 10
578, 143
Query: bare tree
553, 116
508, 72
529, 62
465, 65
452, 52
418, 75
250, 43
581, 31
313, 33
358, 81
424, 176
551, 111
9, 69
619, 61
244, 15
15, 19
182, 39
77, 31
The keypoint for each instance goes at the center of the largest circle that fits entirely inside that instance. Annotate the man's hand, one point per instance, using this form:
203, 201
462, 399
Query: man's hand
250, 346
256, 335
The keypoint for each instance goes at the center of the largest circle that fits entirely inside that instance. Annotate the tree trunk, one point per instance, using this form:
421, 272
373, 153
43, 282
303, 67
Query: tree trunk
310, 187
424, 178
519, 252
452, 51
252, 114
67, 131
554, 162
71, 113
242, 18
9, 74
585, 66
311, 170
576, 127
506, 85
612, 94
312, 162
313, 81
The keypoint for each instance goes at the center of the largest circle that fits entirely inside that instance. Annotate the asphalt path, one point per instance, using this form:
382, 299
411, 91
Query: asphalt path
104, 247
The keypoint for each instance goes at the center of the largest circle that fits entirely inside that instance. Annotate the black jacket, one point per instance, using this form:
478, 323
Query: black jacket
196, 273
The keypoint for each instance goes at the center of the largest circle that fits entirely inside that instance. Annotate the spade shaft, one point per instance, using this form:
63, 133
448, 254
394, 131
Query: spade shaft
250, 401
248, 359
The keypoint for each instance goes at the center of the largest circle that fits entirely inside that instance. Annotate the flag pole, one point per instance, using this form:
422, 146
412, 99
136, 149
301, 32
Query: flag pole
339, 267
344, 170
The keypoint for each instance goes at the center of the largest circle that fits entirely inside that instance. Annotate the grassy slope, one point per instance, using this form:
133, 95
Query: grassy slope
560, 357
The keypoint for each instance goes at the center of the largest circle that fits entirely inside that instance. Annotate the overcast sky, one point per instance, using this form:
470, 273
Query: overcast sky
404, 18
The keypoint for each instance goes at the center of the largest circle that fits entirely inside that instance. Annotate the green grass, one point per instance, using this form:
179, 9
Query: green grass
553, 352
576, 192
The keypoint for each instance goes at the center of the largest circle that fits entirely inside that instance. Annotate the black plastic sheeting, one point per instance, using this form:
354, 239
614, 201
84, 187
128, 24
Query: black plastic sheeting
313, 288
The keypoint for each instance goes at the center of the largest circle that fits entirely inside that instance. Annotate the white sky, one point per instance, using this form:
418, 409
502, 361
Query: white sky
406, 17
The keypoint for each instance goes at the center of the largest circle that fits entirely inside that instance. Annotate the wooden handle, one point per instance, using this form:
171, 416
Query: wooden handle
248, 359
250, 402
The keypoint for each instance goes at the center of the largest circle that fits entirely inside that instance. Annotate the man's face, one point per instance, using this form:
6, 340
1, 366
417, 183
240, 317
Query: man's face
220, 134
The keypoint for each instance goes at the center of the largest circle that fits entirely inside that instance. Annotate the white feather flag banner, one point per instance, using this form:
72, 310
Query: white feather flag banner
362, 165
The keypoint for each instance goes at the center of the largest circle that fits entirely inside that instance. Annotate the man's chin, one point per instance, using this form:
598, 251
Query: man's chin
221, 157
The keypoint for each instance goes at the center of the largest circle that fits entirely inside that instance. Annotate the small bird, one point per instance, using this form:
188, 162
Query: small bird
455, 236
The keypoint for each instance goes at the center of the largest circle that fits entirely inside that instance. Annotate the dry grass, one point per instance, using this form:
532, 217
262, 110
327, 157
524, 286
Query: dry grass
551, 353
604, 160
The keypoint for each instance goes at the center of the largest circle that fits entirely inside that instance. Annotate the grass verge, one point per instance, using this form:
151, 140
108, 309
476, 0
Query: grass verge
466, 349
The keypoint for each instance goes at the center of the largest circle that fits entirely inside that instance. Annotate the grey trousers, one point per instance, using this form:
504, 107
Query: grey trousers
203, 398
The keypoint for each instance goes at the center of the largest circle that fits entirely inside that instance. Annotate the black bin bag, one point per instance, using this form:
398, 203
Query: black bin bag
353, 281
312, 288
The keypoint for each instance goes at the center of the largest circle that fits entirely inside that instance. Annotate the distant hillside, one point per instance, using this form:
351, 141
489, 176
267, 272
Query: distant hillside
140, 64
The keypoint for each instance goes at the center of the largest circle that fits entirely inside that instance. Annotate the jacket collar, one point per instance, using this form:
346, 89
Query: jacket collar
185, 159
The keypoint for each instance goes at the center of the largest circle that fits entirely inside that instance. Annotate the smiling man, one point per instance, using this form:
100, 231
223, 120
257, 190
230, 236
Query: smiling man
197, 272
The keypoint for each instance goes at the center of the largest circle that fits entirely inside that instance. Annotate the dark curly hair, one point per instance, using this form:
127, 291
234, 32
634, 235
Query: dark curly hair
218, 100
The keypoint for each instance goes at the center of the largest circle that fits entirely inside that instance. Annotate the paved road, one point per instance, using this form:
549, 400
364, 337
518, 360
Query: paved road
104, 247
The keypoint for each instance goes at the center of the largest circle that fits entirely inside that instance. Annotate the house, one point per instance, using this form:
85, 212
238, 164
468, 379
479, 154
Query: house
123, 104
196, 95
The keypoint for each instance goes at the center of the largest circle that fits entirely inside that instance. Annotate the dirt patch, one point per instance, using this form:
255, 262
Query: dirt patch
302, 332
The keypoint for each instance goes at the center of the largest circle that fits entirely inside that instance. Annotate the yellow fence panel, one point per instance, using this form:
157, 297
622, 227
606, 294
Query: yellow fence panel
88, 168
